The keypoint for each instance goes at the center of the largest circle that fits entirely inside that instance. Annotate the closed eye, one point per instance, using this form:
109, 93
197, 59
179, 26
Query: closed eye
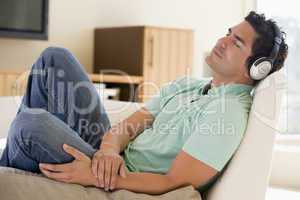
237, 44
238, 41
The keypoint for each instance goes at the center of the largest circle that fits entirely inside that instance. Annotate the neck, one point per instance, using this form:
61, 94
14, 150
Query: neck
219, 80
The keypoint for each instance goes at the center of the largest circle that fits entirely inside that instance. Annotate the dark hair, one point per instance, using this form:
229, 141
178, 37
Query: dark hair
263, 44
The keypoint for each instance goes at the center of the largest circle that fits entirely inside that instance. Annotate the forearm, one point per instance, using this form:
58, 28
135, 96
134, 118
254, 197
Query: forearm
148, 183
120, 135
115, 139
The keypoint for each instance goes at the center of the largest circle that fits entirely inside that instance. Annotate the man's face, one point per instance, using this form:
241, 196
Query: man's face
228, 58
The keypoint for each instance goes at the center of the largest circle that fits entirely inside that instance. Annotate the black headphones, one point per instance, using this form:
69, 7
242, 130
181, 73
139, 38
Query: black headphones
263, 66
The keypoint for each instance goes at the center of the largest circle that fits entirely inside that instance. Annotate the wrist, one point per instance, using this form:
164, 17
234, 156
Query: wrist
92, 181
109, 147
121, 181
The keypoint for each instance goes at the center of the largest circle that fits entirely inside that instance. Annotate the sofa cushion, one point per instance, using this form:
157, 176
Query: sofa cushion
17, 185
119, 110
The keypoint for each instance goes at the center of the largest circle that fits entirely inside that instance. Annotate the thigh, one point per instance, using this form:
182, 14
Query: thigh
59, 84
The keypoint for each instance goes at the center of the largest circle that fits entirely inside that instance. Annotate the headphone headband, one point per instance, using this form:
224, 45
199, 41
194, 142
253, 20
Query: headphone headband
277, 43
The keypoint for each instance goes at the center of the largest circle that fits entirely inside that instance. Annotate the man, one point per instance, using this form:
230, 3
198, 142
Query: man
184, 136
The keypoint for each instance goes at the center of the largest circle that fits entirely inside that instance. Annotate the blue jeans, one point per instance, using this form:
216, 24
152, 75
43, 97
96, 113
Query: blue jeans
60, 106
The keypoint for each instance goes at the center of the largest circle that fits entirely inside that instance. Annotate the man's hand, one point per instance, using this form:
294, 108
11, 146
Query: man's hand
79, 171
106, 166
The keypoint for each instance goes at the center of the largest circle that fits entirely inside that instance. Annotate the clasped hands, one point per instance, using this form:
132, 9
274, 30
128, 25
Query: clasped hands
102, 171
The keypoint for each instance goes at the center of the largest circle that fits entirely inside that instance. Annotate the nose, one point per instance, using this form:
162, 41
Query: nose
223, 42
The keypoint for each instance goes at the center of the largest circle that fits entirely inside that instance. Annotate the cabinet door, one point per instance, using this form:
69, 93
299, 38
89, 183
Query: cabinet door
168, 54
149, 88
185, 51
156, 61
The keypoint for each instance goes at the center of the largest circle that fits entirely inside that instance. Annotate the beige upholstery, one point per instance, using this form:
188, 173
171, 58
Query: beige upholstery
17, 185
245, 178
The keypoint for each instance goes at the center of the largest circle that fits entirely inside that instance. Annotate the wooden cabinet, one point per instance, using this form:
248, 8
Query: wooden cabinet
158, 55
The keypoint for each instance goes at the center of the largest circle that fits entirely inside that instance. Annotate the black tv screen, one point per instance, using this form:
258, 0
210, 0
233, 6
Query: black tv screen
24, 19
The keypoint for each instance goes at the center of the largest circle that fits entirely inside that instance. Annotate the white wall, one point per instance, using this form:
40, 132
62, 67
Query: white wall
72, 22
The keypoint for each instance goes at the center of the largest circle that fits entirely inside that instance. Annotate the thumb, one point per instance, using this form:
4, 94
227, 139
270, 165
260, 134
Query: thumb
123, 171
78, 155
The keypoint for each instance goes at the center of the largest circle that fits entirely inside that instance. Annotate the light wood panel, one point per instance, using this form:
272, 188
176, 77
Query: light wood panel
14, 82
168, 55
108, 78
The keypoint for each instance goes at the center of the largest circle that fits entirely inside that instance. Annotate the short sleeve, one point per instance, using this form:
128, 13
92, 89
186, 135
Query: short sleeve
217, 132
152, 105
156, 103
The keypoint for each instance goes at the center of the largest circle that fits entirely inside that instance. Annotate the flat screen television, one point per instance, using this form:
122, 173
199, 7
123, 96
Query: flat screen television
24, 19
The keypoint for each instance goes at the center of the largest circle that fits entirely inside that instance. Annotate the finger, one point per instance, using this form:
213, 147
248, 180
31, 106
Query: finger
56, 167
101, 172
123, 170
107, 176
56, 175
78, 155
95, 166
114, 173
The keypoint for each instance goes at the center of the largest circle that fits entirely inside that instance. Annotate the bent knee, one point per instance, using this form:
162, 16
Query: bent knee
59, 58
29, 124
53, 50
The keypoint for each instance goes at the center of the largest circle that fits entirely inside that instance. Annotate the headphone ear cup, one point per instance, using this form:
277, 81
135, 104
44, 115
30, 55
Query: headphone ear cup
260, 68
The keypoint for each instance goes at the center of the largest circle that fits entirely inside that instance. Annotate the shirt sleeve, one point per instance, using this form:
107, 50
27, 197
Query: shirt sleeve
156, 103
217, 132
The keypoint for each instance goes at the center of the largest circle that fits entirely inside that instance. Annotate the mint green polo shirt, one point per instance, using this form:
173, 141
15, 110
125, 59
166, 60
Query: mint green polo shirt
208, 127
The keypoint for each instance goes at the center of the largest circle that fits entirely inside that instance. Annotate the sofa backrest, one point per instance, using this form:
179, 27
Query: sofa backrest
247, 175
8, 109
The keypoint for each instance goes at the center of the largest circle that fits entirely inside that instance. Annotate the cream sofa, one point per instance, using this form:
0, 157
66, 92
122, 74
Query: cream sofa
246, 177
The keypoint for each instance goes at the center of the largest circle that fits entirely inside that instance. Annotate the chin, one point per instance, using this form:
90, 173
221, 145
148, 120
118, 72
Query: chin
210, 64
209, 61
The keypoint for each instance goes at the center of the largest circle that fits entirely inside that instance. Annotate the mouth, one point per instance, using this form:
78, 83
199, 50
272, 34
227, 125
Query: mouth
217, 52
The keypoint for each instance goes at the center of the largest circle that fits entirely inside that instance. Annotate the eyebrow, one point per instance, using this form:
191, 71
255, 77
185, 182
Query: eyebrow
237, 37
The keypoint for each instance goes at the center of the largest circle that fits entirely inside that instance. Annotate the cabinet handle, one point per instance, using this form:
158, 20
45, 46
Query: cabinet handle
151, 46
